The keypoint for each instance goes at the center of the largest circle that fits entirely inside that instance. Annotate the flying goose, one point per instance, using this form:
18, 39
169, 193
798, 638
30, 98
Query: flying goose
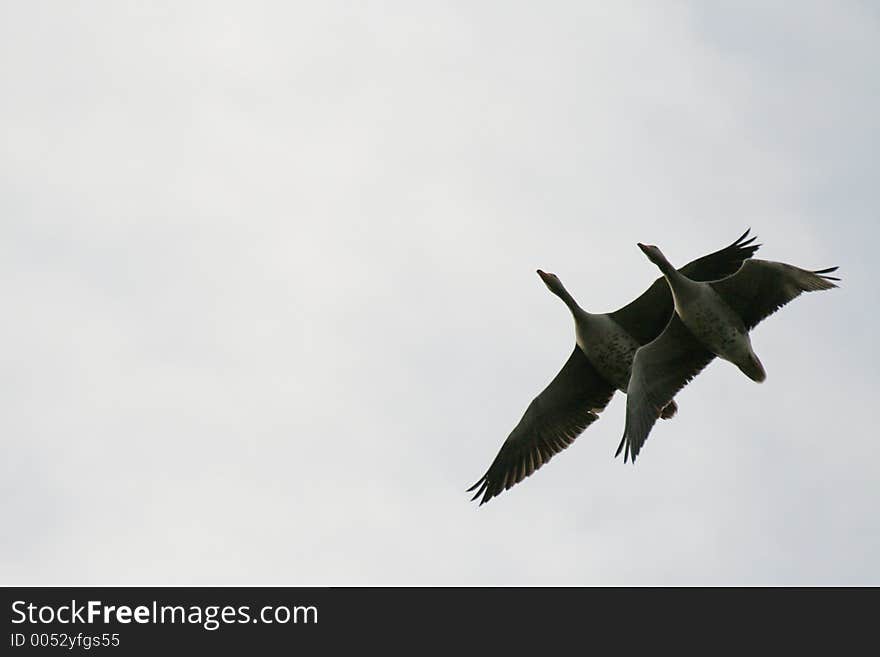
599, 365
710, 319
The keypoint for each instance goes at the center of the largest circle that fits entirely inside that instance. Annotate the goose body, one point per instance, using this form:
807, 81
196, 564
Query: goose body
607, 346
710, 319
715, 324
601, 362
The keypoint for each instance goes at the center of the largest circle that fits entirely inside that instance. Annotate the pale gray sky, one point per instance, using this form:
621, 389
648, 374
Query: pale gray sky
268, 272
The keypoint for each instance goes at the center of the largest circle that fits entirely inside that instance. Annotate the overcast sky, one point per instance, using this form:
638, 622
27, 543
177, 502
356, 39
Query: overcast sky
268, 272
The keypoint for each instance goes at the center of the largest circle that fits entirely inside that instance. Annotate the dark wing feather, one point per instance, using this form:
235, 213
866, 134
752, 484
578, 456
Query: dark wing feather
646, 317
660, 369
761, 287
567, 406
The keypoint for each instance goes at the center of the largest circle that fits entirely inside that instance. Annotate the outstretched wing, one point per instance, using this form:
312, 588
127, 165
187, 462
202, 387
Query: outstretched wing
567, 406
660, 369
762, 287
646, 317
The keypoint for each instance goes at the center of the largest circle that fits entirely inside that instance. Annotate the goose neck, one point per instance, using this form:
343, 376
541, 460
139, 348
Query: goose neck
569, 301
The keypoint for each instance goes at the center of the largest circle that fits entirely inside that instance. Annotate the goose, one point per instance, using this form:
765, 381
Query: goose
710, 319
598, 365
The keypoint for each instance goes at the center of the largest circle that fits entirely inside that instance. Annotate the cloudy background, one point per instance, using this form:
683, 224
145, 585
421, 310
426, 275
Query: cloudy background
270, 301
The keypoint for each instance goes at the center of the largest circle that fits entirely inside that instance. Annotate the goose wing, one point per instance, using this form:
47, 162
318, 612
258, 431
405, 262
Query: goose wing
762, 287
660, 369
645, 317
567, 406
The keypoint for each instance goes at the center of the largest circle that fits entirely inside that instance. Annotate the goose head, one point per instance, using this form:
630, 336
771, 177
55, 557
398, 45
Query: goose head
653, 252
656, 256
552, 282
555, 286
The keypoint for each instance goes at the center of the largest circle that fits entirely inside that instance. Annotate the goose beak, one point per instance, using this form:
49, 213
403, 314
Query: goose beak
543, 275
643, 247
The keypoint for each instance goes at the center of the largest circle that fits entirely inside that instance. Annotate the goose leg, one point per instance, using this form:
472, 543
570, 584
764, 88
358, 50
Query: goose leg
669, 410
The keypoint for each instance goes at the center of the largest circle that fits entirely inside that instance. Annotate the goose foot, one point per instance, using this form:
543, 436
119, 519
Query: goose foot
669, 410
